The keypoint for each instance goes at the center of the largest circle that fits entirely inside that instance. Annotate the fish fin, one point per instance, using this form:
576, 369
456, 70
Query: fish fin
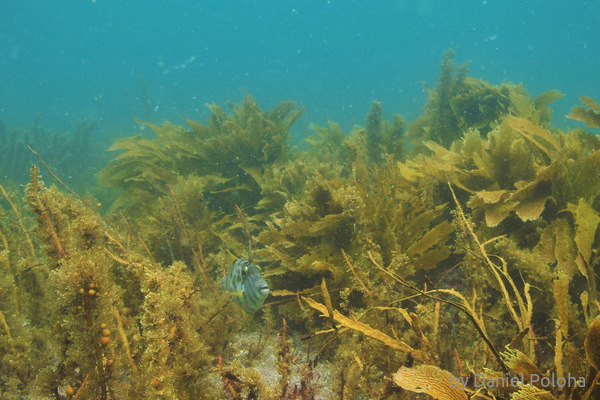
237, 293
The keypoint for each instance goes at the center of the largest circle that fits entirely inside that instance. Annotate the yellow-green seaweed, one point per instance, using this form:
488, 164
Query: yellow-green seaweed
393, 263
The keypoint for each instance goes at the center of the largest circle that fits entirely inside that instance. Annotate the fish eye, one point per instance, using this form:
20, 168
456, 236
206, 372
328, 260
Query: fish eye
244, 272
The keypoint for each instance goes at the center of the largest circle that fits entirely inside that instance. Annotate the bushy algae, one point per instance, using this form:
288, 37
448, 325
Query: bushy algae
398, 254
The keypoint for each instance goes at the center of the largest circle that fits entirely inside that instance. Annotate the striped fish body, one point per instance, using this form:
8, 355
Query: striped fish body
245, 284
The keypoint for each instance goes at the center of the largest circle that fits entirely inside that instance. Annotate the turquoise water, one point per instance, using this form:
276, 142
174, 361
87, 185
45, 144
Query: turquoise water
505, 224
94, 60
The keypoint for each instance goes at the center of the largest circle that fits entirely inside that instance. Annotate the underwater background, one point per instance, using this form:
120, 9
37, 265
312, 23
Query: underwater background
97, 60
413, 189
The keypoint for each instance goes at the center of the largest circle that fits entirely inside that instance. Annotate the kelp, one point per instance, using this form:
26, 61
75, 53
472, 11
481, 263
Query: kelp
326, 140
410, 226
281, 182
339, 208
440, 123
328, 210
383, 138
367, 330
333, 216
590, 116
395, 267
431, 380
459, 103
520, 169
246, 138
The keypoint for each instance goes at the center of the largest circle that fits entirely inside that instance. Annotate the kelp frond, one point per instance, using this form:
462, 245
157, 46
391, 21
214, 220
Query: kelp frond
246, 138
589, 116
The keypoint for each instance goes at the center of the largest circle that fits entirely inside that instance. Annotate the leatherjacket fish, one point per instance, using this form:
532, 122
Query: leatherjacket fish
246, 285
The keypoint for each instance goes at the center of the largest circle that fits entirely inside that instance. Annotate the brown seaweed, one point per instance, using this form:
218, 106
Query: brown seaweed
589, 116
396, 267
